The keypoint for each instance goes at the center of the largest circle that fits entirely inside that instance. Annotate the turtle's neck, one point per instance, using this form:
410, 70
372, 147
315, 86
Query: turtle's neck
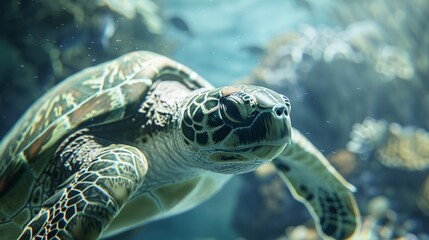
159, 134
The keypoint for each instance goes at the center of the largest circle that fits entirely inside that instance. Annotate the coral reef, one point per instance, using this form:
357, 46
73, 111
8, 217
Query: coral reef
321, 71
367, 136
370, 63
381, 222
404, 29
345, 161
406, 147
43, 42
399, 54
403, 161
301, 233
395, 146
368, 60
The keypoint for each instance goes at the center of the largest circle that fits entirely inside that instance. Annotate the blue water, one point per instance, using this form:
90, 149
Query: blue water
353, 64
222, 28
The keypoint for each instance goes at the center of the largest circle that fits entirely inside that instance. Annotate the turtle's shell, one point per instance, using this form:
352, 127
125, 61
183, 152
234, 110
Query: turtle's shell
97, 95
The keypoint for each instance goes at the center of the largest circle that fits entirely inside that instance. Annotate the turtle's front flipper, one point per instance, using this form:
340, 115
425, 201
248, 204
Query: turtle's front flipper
107, 178
313, 181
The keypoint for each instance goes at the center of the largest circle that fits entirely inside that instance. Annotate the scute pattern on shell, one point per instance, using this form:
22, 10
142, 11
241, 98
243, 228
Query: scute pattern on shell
96, 95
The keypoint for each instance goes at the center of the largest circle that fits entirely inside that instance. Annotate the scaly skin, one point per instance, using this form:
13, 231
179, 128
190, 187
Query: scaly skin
143, 137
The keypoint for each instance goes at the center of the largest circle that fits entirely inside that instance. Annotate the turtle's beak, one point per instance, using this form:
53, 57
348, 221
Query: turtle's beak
282, 122
267, 136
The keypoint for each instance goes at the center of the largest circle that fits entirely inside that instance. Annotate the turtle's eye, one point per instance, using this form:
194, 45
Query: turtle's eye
237, 107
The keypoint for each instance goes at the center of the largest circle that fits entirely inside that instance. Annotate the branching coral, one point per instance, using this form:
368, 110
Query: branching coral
320, 67
404, 27
294, 54
367, 136
395, 145
394, 62
379, 68
406, 147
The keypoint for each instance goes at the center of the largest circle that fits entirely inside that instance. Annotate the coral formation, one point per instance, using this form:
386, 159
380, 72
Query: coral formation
370, 63
406, 147
345, 161
301, 232
395, 146
292, 55
404, 28
367, 136
321, 71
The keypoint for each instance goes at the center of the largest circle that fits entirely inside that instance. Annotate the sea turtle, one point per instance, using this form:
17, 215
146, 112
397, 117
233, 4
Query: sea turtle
143, 137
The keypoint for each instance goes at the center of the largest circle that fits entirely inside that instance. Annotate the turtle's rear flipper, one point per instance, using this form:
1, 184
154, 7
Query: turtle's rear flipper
93, 197
314, 182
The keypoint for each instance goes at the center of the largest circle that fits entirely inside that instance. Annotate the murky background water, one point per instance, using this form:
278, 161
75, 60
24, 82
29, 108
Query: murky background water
355, 71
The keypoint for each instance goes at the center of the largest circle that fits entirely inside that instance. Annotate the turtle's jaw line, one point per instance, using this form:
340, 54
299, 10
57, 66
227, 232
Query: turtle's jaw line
255, 154
266, 153
243, 150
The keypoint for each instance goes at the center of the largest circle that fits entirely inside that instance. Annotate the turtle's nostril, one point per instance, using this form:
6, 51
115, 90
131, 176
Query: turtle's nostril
280, 110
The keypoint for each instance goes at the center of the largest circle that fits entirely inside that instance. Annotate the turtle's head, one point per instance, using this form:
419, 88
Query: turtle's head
236, 129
